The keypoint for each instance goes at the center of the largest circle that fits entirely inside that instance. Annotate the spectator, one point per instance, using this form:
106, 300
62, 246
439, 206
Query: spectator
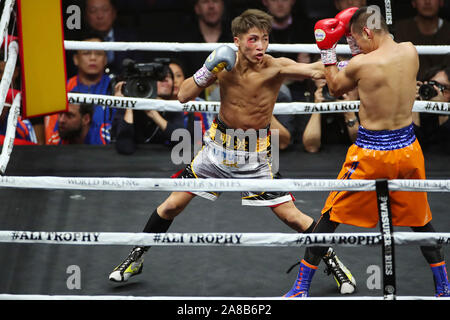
101, 17
135, 127
288, 28
344, 4
91, 79
433, 130
209, 26
330, 128
74, 124
426, 28
210, 18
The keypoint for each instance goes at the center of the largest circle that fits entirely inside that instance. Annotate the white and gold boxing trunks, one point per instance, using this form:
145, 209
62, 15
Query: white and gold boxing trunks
235, 154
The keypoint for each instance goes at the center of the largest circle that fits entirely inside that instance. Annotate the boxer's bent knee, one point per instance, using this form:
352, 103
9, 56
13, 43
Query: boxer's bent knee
174, 205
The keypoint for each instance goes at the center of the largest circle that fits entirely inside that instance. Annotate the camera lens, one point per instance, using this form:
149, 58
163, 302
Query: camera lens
427, 91
140, 88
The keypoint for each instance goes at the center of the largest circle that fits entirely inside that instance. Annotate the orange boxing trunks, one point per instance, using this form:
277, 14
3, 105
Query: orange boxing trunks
385, 154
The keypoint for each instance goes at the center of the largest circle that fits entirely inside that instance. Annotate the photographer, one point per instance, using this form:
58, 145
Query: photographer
330, 128
134, 127
433, 130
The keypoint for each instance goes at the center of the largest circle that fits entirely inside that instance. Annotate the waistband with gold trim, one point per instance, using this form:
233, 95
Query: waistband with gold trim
250, 140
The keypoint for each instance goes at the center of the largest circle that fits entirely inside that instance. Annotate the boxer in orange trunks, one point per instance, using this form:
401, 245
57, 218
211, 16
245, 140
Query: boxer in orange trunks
386, 148
387, 154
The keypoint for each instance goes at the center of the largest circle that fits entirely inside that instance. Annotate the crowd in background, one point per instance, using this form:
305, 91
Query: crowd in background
423, 22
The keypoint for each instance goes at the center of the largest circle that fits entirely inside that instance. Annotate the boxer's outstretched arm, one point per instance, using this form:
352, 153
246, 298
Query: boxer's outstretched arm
298, 71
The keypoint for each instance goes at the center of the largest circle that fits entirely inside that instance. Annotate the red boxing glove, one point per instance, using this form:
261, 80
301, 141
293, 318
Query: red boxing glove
345, 16
327, 33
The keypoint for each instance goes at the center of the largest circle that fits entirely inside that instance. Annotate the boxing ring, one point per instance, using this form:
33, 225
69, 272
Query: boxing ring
198, 270
70, 207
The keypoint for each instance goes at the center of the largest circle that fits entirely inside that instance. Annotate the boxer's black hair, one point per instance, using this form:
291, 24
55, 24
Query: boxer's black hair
370, 17
251, 18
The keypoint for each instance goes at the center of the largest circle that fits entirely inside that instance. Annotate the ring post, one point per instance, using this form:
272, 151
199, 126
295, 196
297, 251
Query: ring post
386, 228
42, 57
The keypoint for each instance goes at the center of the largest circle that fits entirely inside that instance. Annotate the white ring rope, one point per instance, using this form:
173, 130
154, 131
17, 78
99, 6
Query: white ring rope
4, 21
214, 106
8, 72
195, 47
10, 135
13, 115
218, 185
221, 238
